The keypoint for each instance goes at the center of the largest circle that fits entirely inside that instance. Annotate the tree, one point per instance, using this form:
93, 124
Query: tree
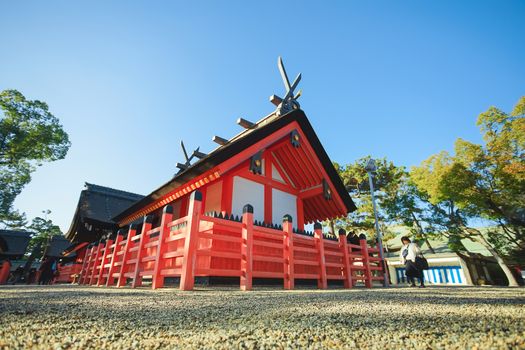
42, 230
484, 181
355, 179
406, 205
29, 136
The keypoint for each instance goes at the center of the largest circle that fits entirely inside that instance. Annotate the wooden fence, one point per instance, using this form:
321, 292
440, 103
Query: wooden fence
210, 245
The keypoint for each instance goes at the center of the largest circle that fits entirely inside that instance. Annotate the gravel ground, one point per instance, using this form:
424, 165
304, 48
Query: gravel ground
73, 317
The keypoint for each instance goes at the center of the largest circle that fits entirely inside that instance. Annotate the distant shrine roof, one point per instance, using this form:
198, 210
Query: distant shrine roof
13, 243
96, 207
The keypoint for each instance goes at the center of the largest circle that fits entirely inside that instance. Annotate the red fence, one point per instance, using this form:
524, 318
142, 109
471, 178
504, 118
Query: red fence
211, 245
68, 273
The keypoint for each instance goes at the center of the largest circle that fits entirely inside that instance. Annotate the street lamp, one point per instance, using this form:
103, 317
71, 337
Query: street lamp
371, 169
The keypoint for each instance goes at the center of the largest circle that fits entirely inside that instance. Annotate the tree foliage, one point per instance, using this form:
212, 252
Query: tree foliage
355, 179
29, 136
42, 230
483, 182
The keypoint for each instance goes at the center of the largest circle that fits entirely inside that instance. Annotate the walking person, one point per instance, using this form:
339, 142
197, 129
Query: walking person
408, 255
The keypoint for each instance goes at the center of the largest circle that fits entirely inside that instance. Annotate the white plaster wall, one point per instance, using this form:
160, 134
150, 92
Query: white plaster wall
283, 203
248, 192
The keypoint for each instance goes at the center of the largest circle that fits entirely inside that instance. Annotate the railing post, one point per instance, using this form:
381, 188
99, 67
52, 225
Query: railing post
187, 278
85, 266
167, 217
110, 280
247, 248
318, 236
107, 249
4, 271
347, 272
95, 262
132, 231
366, 261
146, 226
289, 274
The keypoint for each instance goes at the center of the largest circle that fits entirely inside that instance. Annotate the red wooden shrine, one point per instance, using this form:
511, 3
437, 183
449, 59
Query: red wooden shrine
240, 212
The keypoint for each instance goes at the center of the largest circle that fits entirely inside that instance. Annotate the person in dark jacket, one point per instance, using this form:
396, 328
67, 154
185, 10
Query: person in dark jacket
46, 272
408, 254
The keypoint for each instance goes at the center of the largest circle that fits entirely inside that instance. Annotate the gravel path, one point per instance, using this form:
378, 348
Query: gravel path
73, 317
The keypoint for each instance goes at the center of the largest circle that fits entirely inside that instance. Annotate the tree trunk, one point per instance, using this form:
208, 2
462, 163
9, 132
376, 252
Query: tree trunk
416, 221
429, 246
501, 263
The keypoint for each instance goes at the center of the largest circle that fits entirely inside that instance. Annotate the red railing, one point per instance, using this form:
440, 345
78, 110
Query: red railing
200, 245
68, 273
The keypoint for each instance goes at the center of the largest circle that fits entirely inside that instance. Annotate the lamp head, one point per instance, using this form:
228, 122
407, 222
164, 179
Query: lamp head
371, 166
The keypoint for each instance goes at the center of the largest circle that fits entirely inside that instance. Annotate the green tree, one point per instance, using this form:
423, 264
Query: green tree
29, 136
405, 205
484, 181
355, 179
42, 230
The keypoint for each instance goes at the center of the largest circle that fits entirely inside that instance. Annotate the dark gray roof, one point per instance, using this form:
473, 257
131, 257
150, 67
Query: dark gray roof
96, 207
16, 242
56, 246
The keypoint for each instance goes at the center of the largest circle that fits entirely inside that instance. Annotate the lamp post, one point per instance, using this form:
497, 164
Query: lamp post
371, 169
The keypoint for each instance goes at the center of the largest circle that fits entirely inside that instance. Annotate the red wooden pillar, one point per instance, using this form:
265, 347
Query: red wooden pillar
318, 237
268, 159
85, 266
167, 217
146, 226
247, 248
94, 261
300, 213
110, 279
4, 271
121, 282
347, 272
187, 278
366, 262
289, 275
107, 251
226, 196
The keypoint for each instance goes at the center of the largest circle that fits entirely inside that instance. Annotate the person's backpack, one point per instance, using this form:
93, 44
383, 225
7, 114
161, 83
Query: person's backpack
421, 262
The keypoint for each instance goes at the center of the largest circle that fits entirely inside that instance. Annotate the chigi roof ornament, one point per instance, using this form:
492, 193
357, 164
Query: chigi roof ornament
289, 101
187, 164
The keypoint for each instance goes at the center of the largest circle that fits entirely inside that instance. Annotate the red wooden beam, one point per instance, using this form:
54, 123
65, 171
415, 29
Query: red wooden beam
347, 272
118, 248
311, 192
322, 282
187, 278
146, 226
167, 217
268, 201
132, 231
308, 170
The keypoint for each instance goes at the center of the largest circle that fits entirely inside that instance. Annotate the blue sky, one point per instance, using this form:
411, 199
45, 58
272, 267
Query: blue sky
130, 79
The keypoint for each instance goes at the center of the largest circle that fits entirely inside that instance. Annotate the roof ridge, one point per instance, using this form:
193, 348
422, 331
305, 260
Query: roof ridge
109, 190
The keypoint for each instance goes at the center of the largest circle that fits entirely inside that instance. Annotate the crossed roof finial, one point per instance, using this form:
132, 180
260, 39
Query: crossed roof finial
195, 154
289, 101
